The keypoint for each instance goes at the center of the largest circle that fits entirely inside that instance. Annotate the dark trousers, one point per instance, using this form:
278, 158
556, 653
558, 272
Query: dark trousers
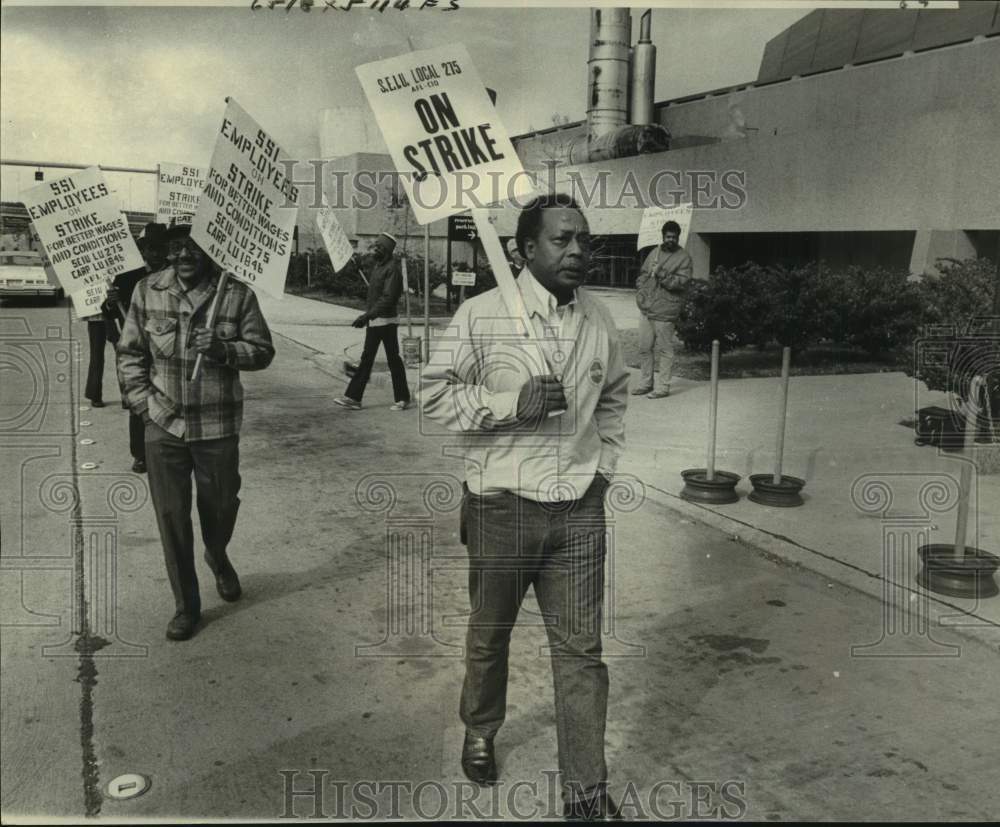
136, 437
215, 463
97, 333
560, 550
386, 336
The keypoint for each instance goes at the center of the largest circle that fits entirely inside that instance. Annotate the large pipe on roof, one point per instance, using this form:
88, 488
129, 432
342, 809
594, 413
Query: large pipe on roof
610, 134
607, 71
643, 73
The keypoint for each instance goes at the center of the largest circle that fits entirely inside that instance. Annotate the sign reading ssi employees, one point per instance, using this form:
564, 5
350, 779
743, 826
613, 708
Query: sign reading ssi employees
178, 188
85, 235
247, 211
443, 132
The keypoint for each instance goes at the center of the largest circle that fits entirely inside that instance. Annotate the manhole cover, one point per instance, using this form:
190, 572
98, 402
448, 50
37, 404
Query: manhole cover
88, 466
86, 442
130, 785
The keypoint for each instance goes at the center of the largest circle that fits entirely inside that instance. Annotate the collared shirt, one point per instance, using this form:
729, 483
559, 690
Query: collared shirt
475, 374
156, 355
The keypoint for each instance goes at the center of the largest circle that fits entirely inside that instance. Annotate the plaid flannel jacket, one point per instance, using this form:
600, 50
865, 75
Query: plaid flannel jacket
156, 355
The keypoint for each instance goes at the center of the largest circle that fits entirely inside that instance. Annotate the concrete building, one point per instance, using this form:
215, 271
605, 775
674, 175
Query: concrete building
868, 137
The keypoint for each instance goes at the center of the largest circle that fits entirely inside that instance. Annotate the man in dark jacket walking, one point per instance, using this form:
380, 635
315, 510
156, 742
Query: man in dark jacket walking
385, 286
152, 244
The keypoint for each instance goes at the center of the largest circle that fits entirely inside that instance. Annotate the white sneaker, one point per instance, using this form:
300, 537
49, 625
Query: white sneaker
347, 402
399, 406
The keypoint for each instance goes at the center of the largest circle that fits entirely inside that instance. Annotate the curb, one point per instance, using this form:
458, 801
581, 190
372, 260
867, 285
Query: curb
898, 598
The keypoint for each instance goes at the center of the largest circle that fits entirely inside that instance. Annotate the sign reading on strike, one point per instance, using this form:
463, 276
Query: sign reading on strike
338, 245
178, 188
247, 210
85, 235
443, 133
653, 219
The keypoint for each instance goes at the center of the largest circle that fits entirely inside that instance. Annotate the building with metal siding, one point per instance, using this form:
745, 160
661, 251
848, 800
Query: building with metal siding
868, 137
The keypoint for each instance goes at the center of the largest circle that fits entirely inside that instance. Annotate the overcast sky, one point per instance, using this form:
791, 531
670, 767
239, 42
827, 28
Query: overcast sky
134, 86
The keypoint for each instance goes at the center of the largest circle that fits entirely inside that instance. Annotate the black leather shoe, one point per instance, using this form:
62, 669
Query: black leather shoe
478, 760
139, 466
600, 807
227, 583
182, 626
96, 403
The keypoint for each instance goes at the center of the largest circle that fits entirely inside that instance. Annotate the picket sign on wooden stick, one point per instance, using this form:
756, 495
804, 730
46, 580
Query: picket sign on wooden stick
213, 313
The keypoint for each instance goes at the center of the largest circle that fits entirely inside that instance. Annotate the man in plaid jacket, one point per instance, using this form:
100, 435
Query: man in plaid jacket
192, 426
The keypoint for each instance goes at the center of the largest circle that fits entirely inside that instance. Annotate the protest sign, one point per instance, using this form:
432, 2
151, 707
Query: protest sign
85, 235
178, 188
443, 133
653, 219
338, 245
247, 210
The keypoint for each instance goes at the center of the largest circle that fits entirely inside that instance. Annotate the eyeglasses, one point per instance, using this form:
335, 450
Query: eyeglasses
176, 245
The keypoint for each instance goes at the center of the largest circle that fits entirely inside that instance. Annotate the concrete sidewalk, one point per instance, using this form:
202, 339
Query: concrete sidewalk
872, 496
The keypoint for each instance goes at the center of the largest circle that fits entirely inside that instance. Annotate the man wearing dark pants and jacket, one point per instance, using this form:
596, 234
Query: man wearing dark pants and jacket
192, 426
385, 286
152, 245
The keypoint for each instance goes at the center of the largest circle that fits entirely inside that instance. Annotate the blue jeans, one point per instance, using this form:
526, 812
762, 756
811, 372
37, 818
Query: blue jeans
558, 548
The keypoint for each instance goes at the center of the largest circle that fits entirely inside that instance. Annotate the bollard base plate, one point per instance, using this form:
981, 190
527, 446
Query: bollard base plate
785, 494
720, 490
968, 576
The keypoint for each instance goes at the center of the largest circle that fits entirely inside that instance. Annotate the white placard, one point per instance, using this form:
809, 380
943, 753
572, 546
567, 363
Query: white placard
85, 235
443, 132
653, 219
460, 278
178, 188
242, 220
338, 245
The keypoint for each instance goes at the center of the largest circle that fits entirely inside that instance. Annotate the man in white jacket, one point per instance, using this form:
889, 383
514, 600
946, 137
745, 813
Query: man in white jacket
535, 506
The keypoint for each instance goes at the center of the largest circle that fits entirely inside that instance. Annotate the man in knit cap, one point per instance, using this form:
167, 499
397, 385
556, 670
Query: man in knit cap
385, 286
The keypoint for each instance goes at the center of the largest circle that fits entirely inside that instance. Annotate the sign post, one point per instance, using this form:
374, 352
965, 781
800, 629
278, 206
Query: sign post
427, 293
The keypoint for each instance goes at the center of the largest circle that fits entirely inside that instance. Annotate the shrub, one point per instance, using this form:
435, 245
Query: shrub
794, 305
958, 339
723, 308
875, 308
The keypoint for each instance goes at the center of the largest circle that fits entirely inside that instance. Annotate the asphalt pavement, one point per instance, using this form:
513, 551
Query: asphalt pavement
745, 681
